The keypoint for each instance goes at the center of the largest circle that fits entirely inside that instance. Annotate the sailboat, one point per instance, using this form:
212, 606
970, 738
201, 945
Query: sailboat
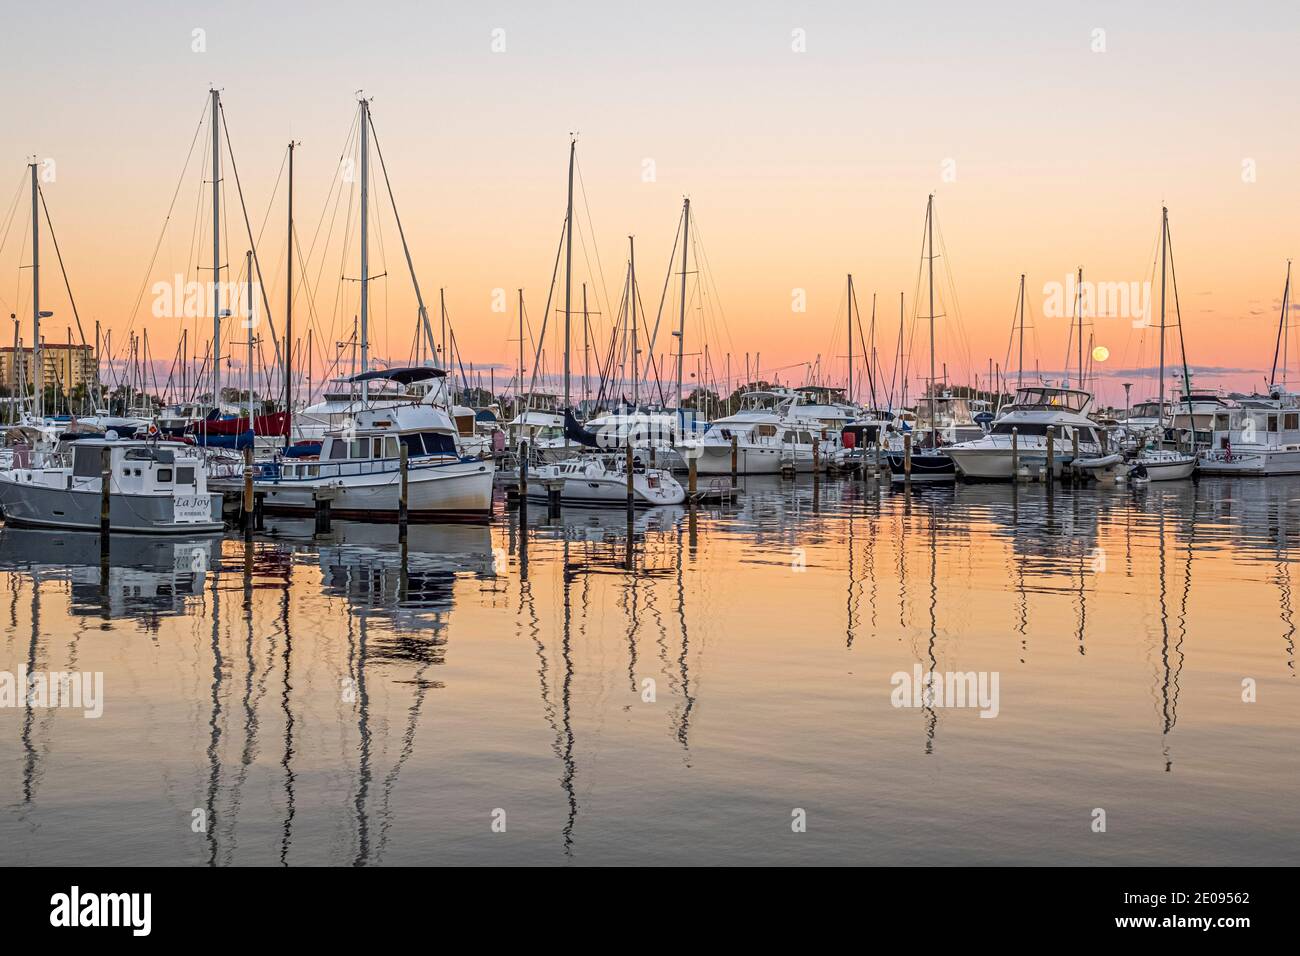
602, 479
1261, 437
931, 464
1153, 462
360, 461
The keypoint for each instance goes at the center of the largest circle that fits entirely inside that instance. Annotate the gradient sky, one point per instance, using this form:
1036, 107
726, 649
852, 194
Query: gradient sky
801, 166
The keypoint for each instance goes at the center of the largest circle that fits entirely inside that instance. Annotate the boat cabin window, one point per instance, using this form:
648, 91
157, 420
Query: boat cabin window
338, 449
376, 448
1024, 428
185, 475
86, 462
1051, 398
765, 431
164, 474
1272, 423
429, 443
1291, 421
358, 448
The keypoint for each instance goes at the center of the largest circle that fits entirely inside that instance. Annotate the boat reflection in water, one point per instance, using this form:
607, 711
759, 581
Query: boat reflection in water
143, 576
579, 687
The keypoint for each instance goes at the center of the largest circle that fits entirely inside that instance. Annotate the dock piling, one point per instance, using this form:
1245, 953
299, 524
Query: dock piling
402, 511
105, 484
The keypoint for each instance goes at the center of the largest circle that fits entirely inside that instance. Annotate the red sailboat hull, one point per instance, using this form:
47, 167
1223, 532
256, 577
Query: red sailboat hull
268, 425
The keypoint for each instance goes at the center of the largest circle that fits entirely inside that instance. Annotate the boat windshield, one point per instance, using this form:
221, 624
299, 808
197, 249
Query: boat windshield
1052, 398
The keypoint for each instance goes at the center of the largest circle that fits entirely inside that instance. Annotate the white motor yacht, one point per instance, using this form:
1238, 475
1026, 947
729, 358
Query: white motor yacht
1036, 408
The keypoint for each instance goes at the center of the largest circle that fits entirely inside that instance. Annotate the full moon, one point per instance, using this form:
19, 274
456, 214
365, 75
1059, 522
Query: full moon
1101, 353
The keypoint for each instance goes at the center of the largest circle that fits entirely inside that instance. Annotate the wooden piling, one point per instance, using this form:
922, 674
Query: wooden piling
105, 486
734, 460
402, 500
246, 515
1051, 455
631, 494
692, 473
907, 456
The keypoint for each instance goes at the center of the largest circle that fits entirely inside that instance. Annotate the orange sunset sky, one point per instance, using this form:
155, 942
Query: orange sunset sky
806, 135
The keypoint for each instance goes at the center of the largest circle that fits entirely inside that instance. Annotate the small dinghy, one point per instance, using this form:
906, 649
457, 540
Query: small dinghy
1103, 468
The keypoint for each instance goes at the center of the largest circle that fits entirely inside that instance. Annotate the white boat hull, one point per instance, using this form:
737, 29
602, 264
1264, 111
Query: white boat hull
750, 460
609, 490
1264, 463
455, 489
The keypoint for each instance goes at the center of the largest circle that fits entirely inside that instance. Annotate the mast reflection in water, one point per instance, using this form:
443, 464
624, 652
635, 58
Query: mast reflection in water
583, 688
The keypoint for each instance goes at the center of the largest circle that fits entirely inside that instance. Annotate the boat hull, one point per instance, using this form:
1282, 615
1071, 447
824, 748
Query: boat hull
1262, 464
607, 492
436, 492
1170, 470
750, 460
37, 506
933, 468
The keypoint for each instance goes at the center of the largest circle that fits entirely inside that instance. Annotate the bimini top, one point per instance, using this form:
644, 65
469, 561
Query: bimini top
403, 376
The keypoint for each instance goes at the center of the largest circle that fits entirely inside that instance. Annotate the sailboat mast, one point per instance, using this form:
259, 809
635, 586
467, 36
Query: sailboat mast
631, 294
519, 382
850, 302
288, 318
568, 272
585, 344
1277, 349
38, 372
681, 316
365, 248
1164, 246
248, 275
929, 227
216, 249
1020, 367
1078, 298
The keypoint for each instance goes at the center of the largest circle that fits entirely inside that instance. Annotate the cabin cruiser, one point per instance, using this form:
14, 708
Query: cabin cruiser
543, 430
660, 432
1036, 408
359, 467
770, 432
1258, 438
156, 487
602, 480
342, 400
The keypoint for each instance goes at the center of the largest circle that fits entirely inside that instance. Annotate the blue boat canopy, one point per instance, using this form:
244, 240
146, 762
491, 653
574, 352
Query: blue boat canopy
403, 376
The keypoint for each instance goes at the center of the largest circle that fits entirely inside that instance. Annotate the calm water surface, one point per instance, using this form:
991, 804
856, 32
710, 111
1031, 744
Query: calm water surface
319, 701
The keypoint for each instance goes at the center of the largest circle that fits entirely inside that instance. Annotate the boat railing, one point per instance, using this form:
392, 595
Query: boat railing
309, 469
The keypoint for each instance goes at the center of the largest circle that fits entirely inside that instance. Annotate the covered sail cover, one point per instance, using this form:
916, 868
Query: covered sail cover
575, 432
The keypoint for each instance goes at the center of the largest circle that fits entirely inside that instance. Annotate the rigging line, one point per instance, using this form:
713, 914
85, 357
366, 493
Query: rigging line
1182, 345
62, 268
672, 256
705, 266
9, 218
651, 357
541, 336
167, 219
406, 249
338, 198
257, 265
600, 268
